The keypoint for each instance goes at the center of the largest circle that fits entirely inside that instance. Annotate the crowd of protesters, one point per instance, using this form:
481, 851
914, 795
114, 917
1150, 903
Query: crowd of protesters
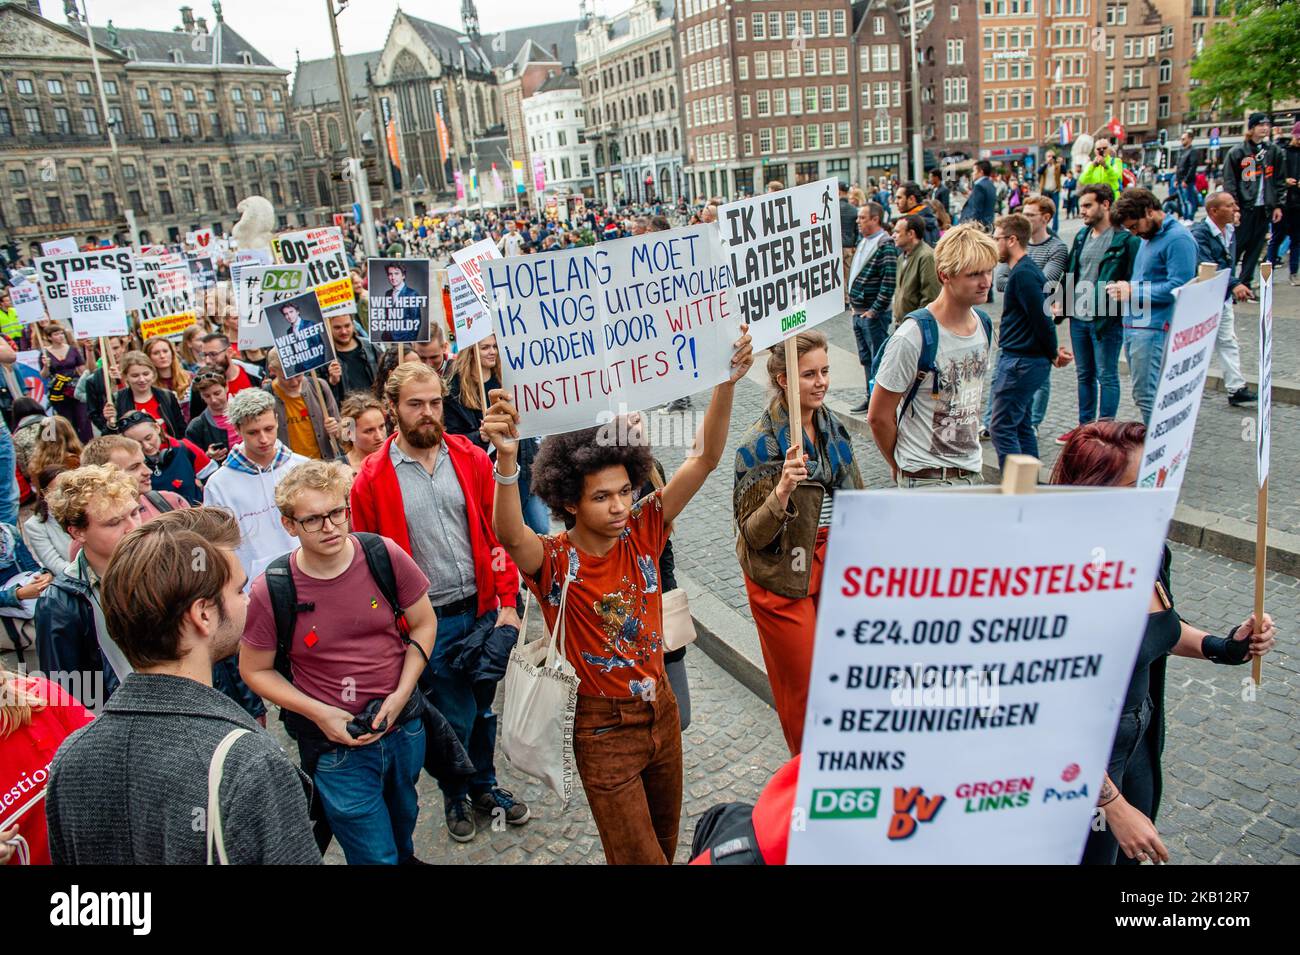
356, 546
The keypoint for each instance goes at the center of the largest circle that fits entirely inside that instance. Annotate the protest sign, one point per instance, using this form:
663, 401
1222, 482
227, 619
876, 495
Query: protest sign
199, 238
203, 271
964, 698
470, 261
321, 250
164, 288
59, 246
785, 251
170, 325
97, 303
301, 338
53, 273
1264, 430
26, 298
260, 286
596, 331
399, 301
1190, 343
471, 322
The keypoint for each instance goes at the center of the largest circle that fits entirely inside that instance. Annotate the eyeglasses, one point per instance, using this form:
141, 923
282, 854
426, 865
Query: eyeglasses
315, 522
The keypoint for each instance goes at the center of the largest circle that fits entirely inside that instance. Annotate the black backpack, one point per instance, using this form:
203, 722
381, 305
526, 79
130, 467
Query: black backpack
284, 597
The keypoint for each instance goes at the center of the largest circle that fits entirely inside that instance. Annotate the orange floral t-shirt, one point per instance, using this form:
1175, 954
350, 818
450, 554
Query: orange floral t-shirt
614, 610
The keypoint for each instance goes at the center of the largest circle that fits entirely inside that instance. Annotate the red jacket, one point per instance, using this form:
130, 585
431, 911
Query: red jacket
377, 507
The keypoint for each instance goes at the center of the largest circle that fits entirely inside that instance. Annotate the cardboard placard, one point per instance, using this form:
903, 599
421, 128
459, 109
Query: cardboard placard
97, 303
302, 339
321, 250
53, 273
401, 293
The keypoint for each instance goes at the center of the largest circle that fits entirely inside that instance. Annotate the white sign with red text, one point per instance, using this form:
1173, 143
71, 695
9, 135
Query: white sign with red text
964, 698
98, 304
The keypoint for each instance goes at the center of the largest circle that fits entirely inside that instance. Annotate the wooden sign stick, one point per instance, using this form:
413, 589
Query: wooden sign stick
103, 354
792, 394
1261, 535
482, 386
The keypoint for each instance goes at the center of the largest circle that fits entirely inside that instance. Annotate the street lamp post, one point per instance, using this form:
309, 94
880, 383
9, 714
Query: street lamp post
354, 170
119, 180
918, 159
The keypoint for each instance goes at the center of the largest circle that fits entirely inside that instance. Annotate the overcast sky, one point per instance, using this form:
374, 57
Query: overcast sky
278, 27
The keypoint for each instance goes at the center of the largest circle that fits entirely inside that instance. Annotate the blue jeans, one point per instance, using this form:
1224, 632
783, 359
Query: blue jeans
1190, 200
1289, 227
1038, 408
1014, 383
1096, 363
1056, 206
1144, 349
8, 478
368, 793
870, 335
466, 704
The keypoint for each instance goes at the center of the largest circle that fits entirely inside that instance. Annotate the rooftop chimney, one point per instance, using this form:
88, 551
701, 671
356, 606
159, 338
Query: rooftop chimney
202, 24
555, 51
187, 19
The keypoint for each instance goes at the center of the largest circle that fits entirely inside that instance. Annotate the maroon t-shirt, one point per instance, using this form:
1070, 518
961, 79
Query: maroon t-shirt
346, 652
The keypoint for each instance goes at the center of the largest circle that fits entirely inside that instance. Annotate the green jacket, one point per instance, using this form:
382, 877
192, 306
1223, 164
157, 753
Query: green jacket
1116, 266
1112, 174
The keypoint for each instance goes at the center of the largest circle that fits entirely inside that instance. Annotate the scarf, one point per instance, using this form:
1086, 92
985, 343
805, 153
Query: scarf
238, 461
762, 452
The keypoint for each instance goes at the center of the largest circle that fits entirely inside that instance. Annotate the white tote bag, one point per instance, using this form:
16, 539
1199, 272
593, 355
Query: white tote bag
541, 696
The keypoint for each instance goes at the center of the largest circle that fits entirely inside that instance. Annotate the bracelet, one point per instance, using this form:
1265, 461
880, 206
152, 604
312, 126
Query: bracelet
503, 479
1102, 805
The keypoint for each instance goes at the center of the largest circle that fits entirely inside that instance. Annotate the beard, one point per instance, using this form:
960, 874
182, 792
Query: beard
424, 433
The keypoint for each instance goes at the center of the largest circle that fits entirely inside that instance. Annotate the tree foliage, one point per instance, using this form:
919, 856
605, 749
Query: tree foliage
1253, 62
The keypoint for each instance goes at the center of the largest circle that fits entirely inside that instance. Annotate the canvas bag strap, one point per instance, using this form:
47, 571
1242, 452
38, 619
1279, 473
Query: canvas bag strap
215, 838
556, 651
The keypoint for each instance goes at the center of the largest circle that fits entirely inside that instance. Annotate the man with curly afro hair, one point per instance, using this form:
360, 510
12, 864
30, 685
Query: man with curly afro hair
602, 574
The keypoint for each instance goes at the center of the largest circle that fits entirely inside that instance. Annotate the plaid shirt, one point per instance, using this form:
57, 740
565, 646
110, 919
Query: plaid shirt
873, 288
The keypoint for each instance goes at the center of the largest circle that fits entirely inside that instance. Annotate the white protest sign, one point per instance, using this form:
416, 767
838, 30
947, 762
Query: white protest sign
469, 262
97, 303
472, 323
163, 290
199, 238
964, 698
247, 286
785, 251
321, 250
53, 273
1264, 430
59, 246
260, 286
586, 334
30, 358
27, 301
1198, 308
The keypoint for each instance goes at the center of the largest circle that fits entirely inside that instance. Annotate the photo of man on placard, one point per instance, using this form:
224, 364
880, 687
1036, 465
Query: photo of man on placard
299, 333
399, 300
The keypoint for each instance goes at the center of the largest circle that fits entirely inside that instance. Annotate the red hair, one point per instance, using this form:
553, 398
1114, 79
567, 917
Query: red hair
1098, 453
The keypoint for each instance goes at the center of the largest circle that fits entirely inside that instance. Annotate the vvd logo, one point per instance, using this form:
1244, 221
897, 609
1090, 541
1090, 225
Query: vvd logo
903, 824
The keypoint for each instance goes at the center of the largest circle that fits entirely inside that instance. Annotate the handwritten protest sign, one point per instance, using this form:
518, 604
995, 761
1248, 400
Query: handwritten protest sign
471, 322
97, 303
469, 263
53, 273
321, 250
785, 251
260, 286
63, 246
592, 332
1192, 332
165, 289
399, 299
26, 298
1264, 431
964, 698
169, 325
301, 338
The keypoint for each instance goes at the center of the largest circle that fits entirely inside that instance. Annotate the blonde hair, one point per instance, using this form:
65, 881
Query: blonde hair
133, 358
19, 699
57, 445
330, 477
804, 342
180, 378
103, 485
409, 371
465, 369
354, 406
100, 450
965, 248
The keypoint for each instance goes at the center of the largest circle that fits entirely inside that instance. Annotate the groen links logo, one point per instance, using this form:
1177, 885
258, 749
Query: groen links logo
845, 803
793, 321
